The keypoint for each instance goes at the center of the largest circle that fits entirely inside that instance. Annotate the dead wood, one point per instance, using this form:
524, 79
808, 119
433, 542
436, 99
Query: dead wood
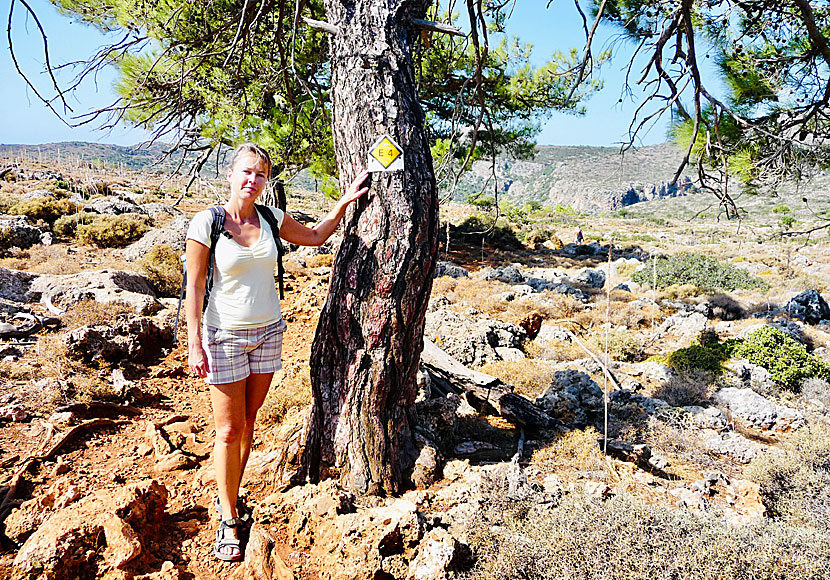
486, 393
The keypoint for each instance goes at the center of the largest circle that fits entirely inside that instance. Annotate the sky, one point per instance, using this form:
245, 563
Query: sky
25, 119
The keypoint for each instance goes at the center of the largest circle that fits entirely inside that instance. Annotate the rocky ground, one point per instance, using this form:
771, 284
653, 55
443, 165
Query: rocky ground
543, 398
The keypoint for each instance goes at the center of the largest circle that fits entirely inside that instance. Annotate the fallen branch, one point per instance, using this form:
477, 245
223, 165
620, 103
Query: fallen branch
99, 409
486, 393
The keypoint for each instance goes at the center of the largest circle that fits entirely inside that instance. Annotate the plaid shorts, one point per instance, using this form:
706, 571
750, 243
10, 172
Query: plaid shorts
233, 355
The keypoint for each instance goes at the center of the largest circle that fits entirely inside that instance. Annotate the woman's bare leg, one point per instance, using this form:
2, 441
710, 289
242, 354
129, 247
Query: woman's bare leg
256, 389
228, 401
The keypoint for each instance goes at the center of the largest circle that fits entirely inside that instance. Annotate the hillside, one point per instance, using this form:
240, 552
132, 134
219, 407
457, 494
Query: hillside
588, 179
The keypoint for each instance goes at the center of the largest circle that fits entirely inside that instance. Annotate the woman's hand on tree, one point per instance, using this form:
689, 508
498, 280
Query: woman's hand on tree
354, 191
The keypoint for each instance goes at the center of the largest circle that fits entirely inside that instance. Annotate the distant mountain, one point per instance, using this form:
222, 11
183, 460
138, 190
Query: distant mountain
139, 157
588, 179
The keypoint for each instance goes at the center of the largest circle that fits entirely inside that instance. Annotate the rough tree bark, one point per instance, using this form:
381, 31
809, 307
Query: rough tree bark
369, 338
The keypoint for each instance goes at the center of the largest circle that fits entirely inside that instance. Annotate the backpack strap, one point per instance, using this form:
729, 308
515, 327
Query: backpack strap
216, 227
268, 216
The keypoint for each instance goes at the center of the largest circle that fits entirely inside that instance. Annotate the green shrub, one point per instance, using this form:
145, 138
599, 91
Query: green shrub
795, 483
781, 209
43, 209
67, 226
785, 358
706, 353
788, 221
111, 231
162, 267
702, 271
628, 539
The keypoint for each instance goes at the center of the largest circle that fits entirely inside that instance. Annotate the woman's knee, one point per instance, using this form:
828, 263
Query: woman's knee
229, 432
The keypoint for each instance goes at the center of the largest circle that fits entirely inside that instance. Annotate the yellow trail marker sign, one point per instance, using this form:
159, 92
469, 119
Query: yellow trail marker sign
385, 155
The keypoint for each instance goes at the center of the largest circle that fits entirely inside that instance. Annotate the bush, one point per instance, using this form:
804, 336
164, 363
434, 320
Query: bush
162, 267
530, 377
785, 358
111, 231
702, 271
781, 209
319, 260
43, 209
795, 484
67, 226
627, 539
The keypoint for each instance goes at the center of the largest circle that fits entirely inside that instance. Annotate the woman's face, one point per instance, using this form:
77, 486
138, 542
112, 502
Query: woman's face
248, 176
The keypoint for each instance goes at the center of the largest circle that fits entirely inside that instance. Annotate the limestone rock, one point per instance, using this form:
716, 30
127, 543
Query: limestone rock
733, 445
135, 338
112, 206
759, 412
174, 235
573, 397
685, 325
709, 418
22, 234
14, 284
443, 268
593, 278
439, 554
809, 306
748, 375
66, 545
472, 340
103, 286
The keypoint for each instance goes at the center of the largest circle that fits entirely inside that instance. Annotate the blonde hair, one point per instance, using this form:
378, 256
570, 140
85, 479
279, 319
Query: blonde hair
253, 149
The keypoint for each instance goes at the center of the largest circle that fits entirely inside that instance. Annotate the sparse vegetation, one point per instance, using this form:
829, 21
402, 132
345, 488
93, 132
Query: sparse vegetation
795, 484
626, 539
67, 226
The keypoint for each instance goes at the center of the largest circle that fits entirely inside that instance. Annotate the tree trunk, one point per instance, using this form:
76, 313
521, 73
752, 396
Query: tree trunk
369, 338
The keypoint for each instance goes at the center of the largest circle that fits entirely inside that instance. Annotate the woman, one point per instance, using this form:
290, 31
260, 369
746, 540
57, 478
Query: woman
239, 349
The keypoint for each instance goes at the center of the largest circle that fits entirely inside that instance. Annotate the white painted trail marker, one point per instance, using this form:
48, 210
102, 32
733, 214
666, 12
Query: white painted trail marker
385, 155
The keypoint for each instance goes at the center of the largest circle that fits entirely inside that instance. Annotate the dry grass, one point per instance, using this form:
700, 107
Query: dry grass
530, 377
554, 350
90, 313
575, 451
290, 388
319, 260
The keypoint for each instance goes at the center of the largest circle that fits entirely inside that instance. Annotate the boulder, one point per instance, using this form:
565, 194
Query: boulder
472, 341
508, 274
759, 412
749, 375
134, 338
105, 530
439, 556
709, 418
809, 306
593, 278
733, 445
685, 325
99, 285
158, 210
14, 284
112, 206
174, 235
573, 397
20, 232
443, 268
